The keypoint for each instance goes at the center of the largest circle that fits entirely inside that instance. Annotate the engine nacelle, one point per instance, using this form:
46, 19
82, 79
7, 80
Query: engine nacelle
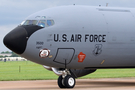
55, 70
47, 67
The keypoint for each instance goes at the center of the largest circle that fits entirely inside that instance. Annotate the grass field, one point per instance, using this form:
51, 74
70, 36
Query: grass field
26, 70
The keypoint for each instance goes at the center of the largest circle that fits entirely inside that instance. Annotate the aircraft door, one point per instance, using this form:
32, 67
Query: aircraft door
64, 54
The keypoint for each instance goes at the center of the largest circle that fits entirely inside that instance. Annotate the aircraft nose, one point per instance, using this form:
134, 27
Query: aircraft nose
16, 40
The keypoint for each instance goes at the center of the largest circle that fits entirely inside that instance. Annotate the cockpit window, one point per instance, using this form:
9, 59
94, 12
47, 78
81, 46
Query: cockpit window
41, 23
50, 22
29, 22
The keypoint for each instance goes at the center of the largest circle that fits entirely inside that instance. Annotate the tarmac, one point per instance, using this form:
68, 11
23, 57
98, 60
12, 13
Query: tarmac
81, 84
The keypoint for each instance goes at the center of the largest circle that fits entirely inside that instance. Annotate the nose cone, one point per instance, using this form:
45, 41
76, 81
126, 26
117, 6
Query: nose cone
16, 40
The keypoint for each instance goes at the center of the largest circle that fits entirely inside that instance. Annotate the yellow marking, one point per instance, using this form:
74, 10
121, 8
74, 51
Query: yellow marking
102, 62
50, 56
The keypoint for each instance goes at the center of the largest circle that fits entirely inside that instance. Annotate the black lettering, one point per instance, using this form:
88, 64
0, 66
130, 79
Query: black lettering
100, 38
64, 36
76, 38
56, 38
38, 47
72, 38
86, 37
103, 39
79, 37
39, 43
91, 38
95, 38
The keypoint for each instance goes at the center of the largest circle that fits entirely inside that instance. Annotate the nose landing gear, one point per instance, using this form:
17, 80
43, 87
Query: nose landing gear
66, 80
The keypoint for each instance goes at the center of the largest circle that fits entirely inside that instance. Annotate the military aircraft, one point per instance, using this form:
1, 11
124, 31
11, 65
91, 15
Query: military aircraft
73, 41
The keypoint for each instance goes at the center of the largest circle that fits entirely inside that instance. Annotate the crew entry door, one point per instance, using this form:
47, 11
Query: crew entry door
64, 54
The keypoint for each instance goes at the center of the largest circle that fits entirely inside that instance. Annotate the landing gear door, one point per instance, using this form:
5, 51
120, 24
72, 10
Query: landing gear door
64, 54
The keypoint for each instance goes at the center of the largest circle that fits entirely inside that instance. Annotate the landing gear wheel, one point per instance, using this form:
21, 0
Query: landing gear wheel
61, 82
69, 81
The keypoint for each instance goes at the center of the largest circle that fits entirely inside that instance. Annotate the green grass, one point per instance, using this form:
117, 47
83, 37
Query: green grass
31, 71
28, 71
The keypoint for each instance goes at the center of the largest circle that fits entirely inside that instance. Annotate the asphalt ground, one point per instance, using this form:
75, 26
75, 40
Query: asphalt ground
81, 84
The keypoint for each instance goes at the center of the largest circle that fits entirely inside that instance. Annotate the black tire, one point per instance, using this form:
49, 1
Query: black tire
61, 82
69, 81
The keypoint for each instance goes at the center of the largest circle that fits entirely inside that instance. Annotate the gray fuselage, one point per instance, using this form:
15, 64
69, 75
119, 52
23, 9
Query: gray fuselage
84, 37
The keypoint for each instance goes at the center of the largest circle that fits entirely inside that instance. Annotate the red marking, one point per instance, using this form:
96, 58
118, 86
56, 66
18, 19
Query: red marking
43, 54
81, 57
